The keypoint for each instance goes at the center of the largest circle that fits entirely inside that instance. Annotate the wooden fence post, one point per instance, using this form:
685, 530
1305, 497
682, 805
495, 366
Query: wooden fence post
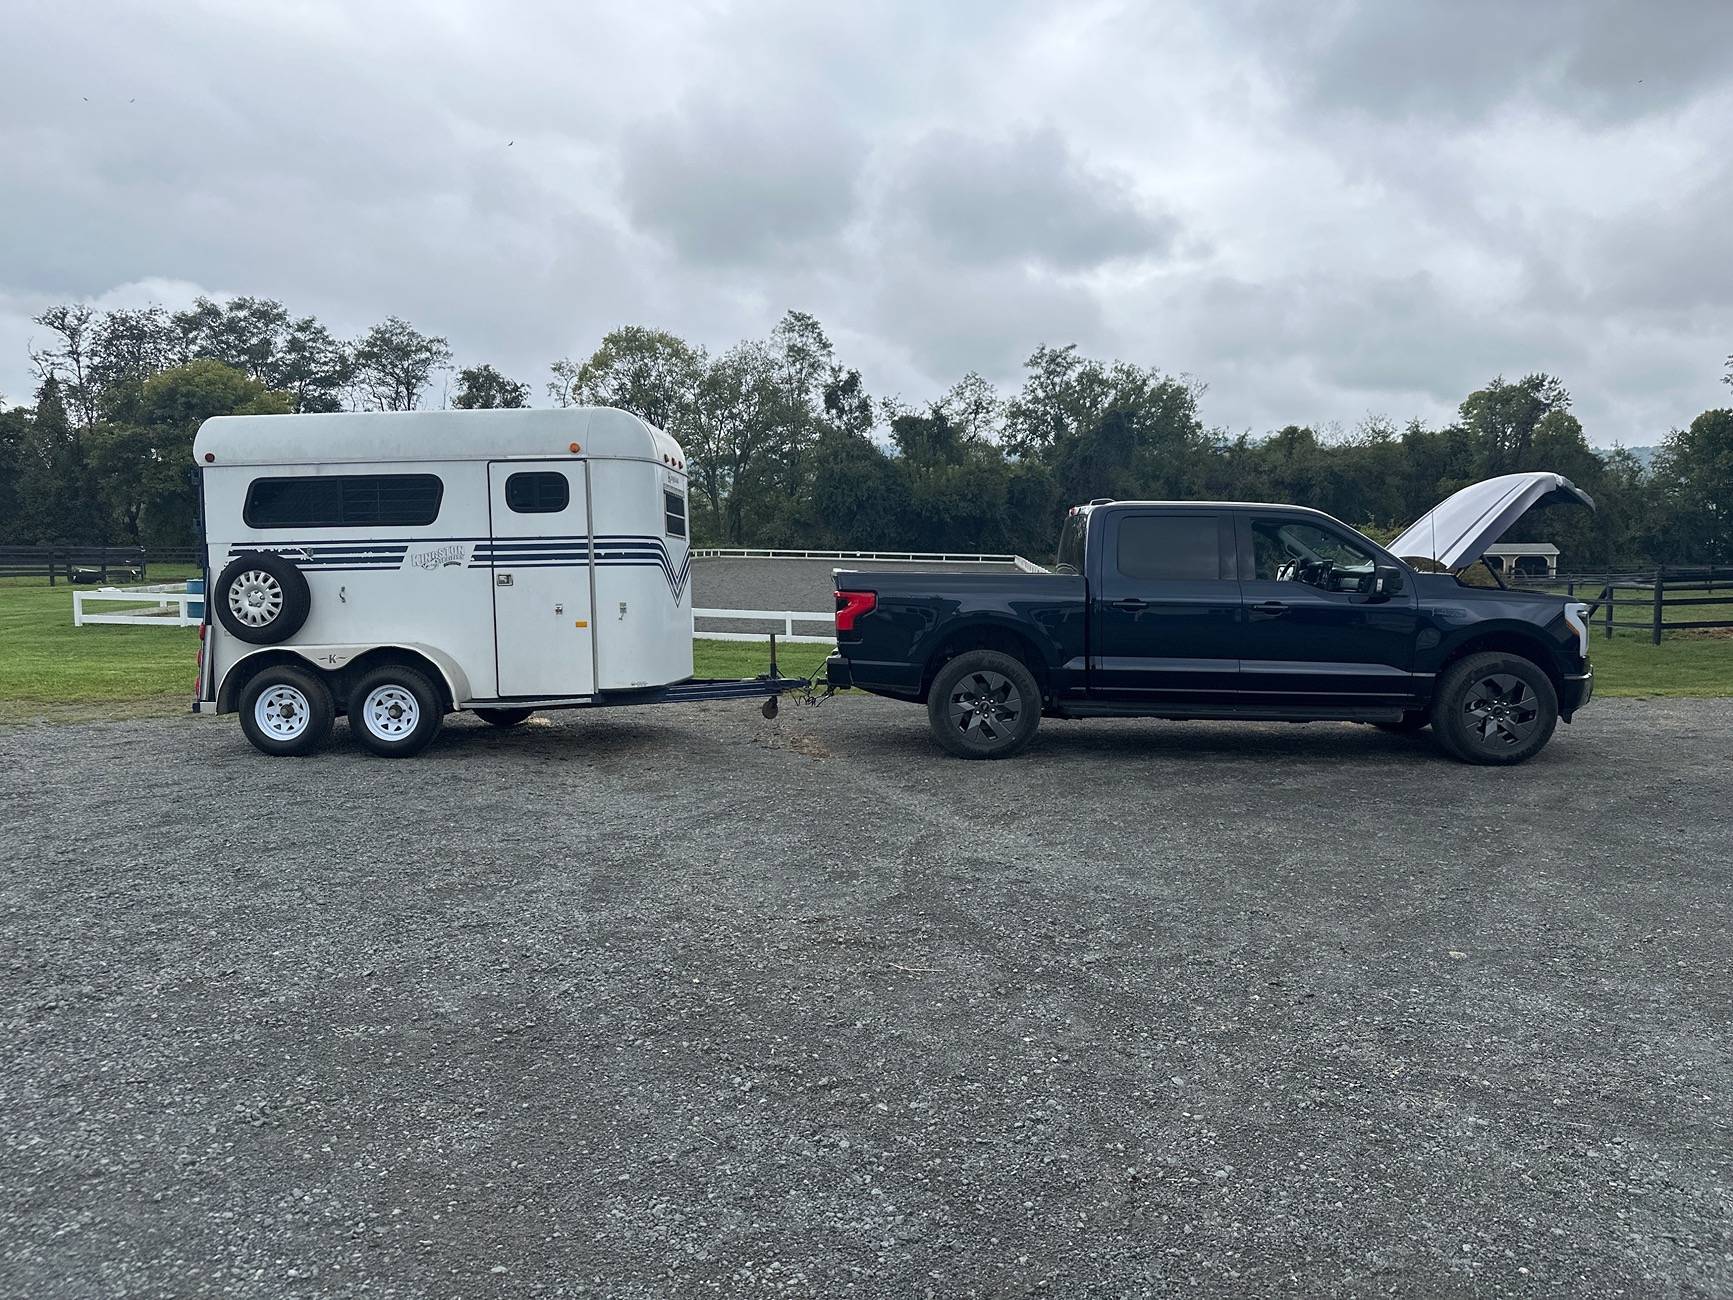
1607, 595
1660, 587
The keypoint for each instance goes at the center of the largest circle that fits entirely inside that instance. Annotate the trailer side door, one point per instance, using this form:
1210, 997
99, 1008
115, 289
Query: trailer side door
540, 554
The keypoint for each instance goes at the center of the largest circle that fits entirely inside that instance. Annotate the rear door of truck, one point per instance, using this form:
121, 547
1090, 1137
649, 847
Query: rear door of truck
1165, 608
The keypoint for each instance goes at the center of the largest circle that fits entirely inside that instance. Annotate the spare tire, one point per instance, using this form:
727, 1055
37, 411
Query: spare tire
262, 598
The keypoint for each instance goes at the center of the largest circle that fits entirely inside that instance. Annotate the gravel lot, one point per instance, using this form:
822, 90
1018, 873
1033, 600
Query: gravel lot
681, 1002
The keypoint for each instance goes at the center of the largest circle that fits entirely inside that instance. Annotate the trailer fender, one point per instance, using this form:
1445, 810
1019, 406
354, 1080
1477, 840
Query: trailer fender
334, 659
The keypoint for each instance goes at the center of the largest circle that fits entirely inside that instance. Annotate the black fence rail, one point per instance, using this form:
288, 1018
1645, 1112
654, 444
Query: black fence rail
1649, 600
87, 564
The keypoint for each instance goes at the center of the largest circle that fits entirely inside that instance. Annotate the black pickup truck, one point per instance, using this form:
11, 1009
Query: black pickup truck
1233, 610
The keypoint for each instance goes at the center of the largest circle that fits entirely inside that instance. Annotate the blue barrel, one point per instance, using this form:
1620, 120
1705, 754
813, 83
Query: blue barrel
196, 608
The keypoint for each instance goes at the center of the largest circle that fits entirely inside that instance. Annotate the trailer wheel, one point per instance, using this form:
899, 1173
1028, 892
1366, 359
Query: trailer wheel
262, 598
984, 704
287, 711
504, 717
394, 711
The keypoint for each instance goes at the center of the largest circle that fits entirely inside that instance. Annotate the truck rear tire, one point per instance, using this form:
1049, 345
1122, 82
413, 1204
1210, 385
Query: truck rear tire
395, 712
286, 712
984, 704
1494, 709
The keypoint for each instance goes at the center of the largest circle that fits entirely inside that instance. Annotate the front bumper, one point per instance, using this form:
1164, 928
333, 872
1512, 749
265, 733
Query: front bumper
1579, 689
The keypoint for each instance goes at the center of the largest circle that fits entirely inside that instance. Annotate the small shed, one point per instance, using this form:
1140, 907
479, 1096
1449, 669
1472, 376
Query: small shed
1531, 559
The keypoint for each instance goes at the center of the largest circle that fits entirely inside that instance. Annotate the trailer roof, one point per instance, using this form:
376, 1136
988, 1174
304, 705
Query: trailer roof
404, 436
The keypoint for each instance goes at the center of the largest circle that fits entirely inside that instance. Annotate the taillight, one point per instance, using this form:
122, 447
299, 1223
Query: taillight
850, 605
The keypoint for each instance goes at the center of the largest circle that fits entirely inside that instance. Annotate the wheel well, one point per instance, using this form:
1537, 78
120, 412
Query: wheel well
341, 680
985, 636
1531, 648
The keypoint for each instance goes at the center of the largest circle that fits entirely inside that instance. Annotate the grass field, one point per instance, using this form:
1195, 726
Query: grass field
52, 670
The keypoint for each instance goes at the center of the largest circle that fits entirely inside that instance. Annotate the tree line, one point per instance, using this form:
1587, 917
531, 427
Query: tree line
786, 447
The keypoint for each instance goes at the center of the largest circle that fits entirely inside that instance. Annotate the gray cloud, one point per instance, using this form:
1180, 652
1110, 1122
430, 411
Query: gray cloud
1026, 196
1451, 59
1318, 212
728, 183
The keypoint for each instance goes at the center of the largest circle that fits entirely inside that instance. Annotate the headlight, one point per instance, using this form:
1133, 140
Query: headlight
1577, 618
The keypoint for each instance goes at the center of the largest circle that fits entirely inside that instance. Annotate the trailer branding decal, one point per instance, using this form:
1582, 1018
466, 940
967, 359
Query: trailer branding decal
441, 557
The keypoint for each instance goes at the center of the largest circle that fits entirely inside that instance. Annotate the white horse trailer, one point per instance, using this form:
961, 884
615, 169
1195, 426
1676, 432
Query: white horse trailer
396, 566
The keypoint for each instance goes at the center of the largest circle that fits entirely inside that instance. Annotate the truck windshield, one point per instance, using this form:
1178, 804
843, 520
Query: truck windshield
1070, 556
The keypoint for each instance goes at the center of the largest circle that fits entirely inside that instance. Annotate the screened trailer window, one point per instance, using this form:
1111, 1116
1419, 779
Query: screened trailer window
344, 501
674, 513
537, 494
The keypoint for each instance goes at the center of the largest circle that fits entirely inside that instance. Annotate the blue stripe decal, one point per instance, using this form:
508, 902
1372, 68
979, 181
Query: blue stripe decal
615, 550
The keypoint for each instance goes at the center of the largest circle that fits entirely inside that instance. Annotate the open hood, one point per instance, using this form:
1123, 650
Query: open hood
1457, 531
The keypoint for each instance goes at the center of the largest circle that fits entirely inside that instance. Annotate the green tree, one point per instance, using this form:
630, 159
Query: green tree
67, 359
1694, 469
484, 388
649, 372
149, 484
54, 498
1107, 429
394, 364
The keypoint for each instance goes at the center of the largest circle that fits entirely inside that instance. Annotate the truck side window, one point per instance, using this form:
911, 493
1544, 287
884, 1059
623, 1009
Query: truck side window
1170, 548
1289, 550
544, 493
674, 513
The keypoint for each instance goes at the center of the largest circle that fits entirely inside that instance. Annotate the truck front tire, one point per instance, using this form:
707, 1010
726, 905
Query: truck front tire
984, 704
1494, 709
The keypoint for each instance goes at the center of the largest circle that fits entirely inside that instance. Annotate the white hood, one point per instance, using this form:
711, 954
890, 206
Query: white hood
1458, 530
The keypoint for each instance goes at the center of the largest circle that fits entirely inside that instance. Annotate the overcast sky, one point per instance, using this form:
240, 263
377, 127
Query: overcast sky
1320, 211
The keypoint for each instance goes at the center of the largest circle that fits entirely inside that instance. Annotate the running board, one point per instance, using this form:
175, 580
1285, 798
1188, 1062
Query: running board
1229, 713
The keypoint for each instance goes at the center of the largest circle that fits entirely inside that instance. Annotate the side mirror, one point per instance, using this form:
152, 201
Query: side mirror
1386, 579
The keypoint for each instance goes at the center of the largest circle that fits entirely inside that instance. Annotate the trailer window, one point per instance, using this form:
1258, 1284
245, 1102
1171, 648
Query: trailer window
344, 501
537, 494
674, 513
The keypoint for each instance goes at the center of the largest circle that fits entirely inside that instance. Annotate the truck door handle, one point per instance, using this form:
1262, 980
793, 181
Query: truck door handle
1270, 608
1131, 603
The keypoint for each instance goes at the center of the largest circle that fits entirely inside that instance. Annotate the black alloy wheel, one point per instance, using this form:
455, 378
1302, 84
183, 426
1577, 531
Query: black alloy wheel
1494, 708
984, 704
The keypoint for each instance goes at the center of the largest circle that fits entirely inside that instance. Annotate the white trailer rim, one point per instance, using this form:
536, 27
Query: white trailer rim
282, 712
255, 598
391, 712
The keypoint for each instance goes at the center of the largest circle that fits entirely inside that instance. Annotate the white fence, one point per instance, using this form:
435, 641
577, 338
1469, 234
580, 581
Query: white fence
788, 618
170, 600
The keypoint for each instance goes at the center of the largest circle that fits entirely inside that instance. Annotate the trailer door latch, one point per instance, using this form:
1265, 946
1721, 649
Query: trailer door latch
502, 579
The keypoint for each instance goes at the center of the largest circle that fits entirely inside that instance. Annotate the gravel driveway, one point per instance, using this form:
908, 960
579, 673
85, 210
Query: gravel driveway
681, 1002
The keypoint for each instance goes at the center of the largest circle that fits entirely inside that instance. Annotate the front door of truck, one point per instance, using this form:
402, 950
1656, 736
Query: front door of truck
1166, 607
539, 550
1318, 632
